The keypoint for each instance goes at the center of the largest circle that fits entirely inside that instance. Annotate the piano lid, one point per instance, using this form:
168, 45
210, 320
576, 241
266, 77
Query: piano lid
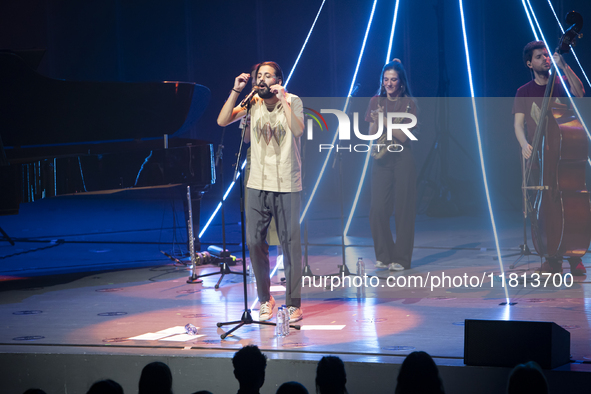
37, 110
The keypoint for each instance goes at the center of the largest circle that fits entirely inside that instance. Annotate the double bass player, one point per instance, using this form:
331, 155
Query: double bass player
527, 108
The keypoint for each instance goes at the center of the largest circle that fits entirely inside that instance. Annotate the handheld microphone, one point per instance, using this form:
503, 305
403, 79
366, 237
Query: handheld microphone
247, 99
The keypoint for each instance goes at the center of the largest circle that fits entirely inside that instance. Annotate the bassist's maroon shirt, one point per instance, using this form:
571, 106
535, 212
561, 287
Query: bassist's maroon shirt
531, 93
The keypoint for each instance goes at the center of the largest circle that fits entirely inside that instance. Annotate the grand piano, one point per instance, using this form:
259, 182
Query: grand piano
63, 137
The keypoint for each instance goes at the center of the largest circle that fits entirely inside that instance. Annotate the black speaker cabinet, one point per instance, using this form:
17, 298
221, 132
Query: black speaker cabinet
501, 343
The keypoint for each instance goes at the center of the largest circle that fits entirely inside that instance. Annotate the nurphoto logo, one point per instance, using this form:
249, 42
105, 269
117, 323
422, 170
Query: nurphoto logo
394, 121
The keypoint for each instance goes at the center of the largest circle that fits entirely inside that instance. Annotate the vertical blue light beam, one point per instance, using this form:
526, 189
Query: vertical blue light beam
373, 8
368, 155
492, 218
305, 42
530, 21
392, 32
223, 199
344, 110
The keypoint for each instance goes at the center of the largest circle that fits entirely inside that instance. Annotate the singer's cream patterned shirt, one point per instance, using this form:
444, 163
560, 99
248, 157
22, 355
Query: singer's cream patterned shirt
275, 152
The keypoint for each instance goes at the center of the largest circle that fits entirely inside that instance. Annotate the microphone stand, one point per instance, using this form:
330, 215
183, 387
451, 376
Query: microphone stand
246, 317
225, 255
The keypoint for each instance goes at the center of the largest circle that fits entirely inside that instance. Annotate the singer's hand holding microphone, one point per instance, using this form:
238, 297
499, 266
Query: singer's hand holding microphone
240, 84
247, 99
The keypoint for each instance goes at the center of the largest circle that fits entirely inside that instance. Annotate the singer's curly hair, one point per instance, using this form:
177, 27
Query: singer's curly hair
399, 68
278, 71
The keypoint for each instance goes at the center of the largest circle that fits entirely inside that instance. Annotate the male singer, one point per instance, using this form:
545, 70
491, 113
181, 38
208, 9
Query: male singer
274, 184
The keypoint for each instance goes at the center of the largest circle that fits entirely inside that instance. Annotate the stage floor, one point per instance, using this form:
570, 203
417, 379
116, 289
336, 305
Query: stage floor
112, 307
135, 290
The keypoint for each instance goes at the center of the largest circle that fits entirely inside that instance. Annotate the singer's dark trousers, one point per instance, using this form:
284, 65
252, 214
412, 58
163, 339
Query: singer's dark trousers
285, 208
393, 189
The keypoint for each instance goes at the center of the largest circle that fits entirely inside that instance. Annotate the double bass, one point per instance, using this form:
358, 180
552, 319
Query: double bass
560, 208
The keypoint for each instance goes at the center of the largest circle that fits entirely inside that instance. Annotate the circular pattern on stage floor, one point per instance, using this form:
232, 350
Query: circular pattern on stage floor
372, 320
112, 314
398, 348
195, 315
538, 299
109, 290
27, 312
28, 338
340, 299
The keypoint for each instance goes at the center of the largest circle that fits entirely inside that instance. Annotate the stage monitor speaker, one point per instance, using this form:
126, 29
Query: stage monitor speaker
501, 343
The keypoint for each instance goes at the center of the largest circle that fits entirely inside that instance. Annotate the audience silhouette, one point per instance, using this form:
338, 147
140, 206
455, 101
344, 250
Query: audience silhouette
331, 377
249, 369
527, 379
419, 374
106, 386
156, 378
292, 388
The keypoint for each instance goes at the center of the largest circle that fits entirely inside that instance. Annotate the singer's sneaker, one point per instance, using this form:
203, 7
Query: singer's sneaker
266, 311
379, 264
295, 314
395, 267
